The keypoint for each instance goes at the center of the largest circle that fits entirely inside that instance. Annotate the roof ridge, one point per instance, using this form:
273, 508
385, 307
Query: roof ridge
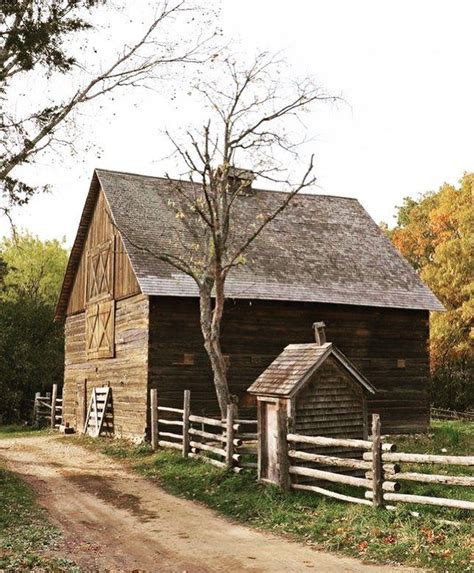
161, 178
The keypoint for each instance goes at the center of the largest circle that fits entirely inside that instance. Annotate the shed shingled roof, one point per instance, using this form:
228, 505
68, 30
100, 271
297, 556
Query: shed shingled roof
294, 367
320, 249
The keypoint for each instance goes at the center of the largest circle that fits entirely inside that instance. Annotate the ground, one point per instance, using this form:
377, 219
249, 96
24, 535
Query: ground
112, 519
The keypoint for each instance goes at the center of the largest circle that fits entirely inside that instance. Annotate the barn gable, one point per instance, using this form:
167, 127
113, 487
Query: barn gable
99, 268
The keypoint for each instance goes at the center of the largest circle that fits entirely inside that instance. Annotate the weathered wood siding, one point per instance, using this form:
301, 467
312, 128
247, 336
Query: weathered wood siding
331, 404
389, 346
127, 372
101, 230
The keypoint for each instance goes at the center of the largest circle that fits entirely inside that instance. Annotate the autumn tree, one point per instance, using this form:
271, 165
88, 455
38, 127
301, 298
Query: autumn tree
436, 234
31, 343
35, 42
255, 120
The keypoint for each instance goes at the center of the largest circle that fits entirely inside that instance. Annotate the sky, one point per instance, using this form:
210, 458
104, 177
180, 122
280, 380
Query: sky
404, 125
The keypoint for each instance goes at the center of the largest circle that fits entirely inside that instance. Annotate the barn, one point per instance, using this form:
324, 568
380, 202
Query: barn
132, 320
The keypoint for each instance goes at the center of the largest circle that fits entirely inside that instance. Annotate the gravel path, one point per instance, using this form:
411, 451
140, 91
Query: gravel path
114, 520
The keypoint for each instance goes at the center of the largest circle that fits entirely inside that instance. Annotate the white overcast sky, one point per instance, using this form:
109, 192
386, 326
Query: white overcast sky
405, 69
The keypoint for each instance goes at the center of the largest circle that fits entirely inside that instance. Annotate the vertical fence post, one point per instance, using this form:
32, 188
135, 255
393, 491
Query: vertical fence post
377, 499
36, 409
154, 417
229, 447
54, 397
186, 414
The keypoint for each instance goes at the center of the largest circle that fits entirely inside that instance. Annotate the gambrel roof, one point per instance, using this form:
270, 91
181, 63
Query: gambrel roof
296, 365
320, 249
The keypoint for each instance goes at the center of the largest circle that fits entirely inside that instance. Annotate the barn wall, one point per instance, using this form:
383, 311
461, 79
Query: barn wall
100, 230
127, 372
389, 346
331, 404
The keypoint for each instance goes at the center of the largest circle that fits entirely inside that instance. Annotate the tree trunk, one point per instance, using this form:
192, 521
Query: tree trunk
211, 328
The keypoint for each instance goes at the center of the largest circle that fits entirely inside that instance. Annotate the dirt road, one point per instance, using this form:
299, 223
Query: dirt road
114, 520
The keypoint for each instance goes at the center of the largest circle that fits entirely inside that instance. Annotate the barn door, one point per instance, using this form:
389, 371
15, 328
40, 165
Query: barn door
100, 305
100, 272
100, 330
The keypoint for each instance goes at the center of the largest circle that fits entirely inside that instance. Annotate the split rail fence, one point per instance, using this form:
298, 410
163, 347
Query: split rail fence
381, 466
228, 443
48, 409
445, 414
374, 466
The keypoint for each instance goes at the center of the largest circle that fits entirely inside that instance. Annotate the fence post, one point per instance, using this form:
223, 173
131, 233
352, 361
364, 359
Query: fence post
229, 447
54, 397
186, 414
36, 409
154, 417
377, 499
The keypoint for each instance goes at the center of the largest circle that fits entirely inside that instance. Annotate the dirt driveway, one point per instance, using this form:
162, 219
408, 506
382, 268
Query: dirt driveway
114, 520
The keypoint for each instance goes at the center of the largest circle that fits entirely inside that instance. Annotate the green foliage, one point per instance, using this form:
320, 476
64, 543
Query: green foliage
25, 532
439, 539
34, 37
34, 269
34, 33
436, 234
31, 343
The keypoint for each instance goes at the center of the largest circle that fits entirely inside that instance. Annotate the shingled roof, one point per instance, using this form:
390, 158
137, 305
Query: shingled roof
321, 248
295, 366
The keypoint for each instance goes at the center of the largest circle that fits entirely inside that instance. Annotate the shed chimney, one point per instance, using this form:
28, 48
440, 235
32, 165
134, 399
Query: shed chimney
319, 333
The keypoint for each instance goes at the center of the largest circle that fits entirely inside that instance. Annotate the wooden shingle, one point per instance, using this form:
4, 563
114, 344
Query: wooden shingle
296, 364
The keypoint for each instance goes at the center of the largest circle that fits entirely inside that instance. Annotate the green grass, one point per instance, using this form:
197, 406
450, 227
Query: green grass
439, 539
445, 438
17, 430
26, 536
449, 438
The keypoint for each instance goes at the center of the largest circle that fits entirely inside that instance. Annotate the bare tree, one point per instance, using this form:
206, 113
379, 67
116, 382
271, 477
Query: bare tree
254, 112
32, 39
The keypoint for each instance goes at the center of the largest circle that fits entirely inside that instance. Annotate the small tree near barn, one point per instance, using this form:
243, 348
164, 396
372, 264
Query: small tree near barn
253, 113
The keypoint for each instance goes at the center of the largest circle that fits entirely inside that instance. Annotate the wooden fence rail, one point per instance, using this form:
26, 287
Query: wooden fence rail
374, 484
212, 440
445, 414
231, 443
384, 477
47, 409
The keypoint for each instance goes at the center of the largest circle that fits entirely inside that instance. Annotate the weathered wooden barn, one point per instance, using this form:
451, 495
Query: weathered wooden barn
132, 320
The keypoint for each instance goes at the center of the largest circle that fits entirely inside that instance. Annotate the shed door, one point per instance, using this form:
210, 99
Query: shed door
269, 460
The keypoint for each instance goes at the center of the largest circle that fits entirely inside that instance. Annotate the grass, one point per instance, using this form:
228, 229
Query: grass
446, 438
17, 430
26, 536
439, 539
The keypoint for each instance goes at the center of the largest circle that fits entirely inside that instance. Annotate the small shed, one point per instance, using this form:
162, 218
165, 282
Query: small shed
309, 389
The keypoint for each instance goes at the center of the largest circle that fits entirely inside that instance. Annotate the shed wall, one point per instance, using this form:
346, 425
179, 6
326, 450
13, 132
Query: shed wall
378, 341
331, 404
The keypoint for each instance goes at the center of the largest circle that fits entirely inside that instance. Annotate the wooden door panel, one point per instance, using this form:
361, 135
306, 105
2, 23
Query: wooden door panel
100, 272
100, 330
